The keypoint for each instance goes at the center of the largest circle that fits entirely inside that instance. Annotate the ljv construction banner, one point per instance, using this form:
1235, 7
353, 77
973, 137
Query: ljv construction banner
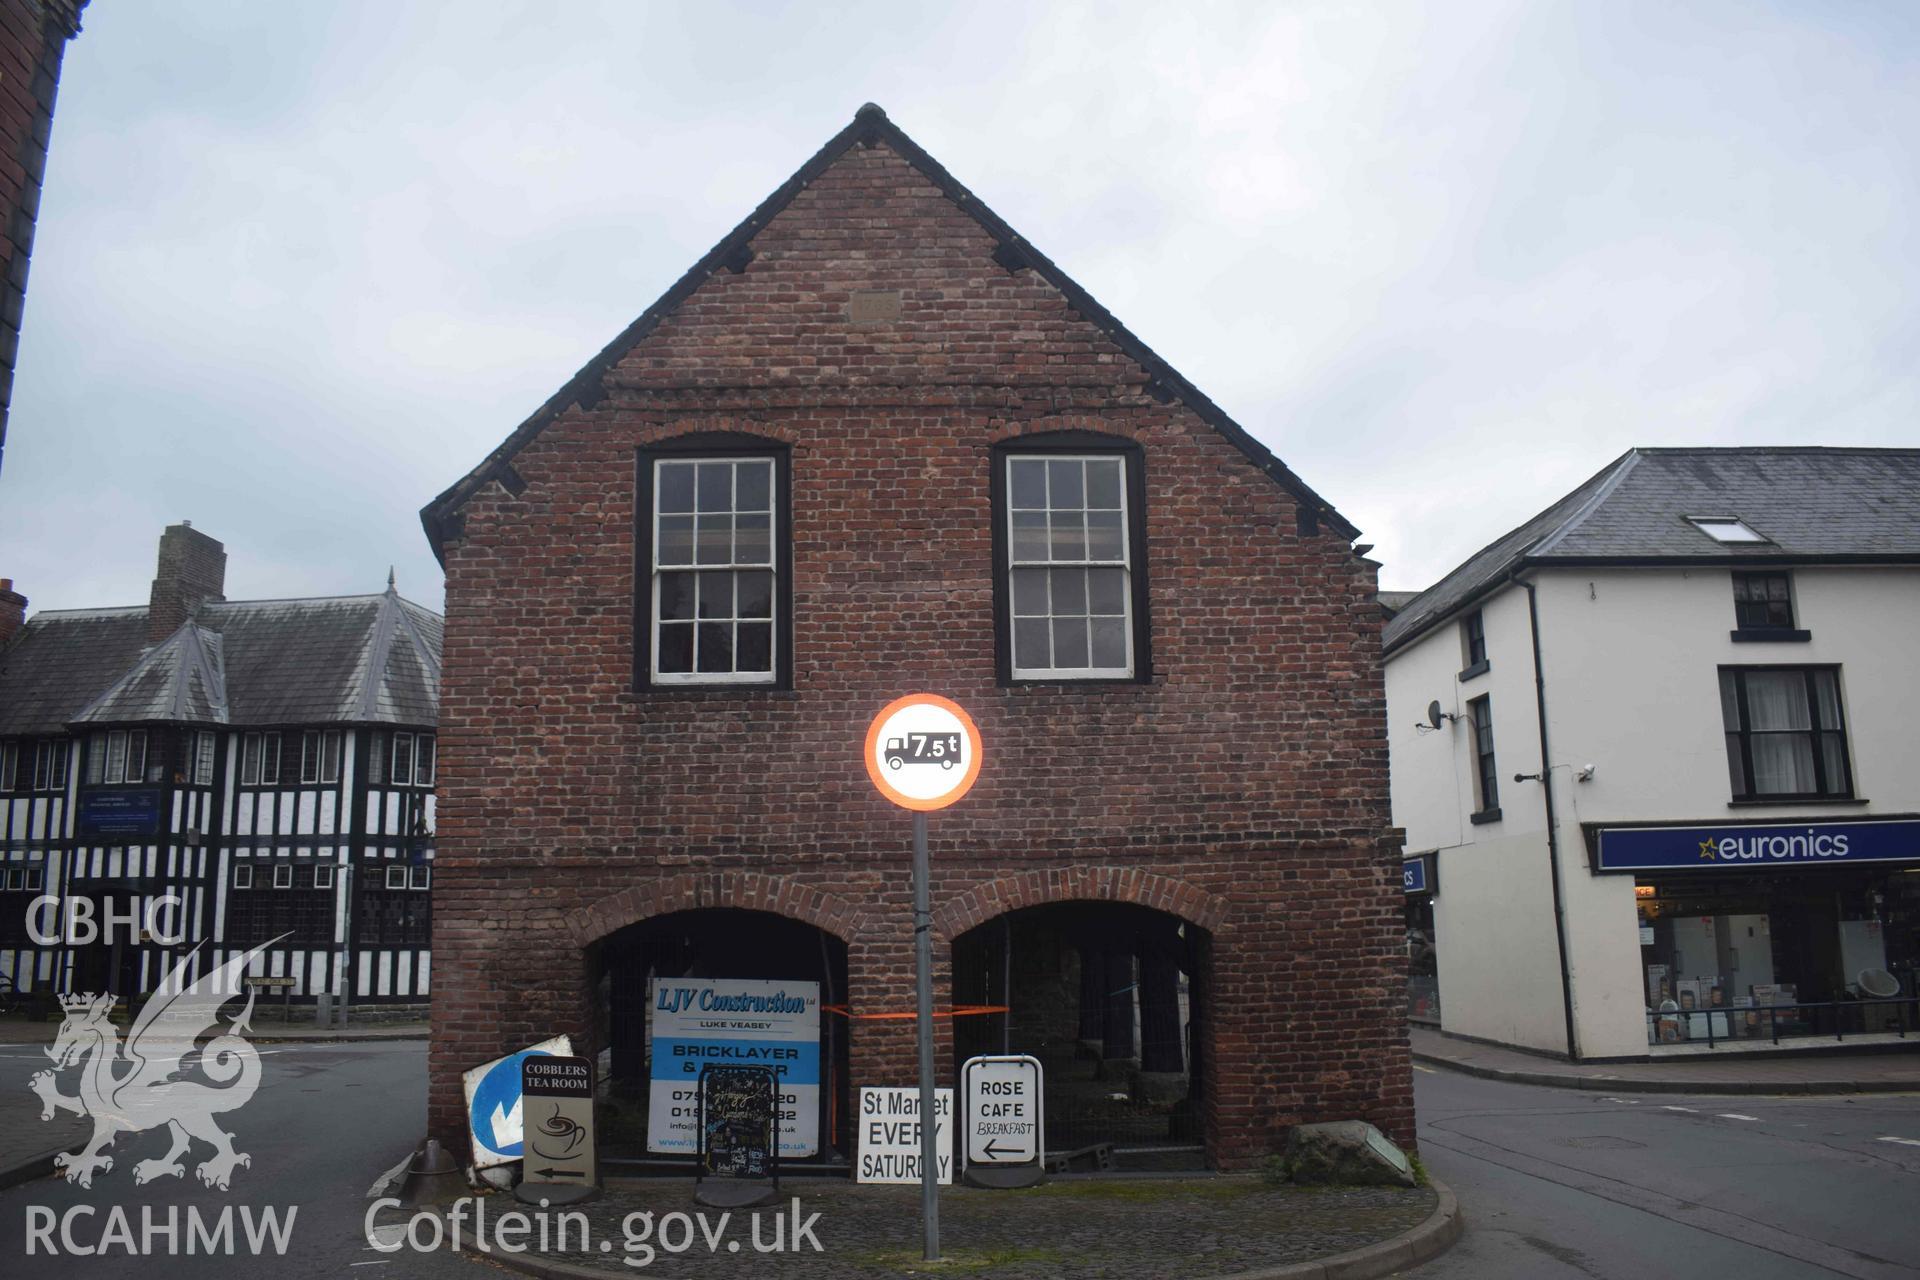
733, 1022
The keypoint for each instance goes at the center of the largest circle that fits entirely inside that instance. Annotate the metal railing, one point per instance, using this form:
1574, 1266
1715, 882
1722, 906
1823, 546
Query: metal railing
1831, 1019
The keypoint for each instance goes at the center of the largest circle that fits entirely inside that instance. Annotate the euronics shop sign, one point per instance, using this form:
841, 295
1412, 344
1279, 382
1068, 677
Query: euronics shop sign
1737, 846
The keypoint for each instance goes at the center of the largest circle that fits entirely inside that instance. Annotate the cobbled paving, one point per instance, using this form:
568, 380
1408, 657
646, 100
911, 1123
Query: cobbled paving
1066, 1230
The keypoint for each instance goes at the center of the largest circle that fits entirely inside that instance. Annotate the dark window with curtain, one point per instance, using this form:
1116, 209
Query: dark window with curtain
1786, 736
1480, 714
1762, 602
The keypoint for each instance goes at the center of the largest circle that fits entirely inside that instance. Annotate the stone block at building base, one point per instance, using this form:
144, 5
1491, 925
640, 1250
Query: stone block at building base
1348, 1153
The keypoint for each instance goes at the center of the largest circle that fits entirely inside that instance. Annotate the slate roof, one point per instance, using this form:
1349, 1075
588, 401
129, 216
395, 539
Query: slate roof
870, 124
183, 678
62, 660
371, 659
1814, 505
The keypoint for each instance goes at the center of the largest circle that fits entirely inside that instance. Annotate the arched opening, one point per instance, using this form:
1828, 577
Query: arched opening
679, 990
1111, 998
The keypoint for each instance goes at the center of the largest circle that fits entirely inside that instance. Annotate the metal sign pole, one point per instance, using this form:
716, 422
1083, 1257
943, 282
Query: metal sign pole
923, 998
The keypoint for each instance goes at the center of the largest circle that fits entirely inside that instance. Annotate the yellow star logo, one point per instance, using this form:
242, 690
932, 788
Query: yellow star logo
1707, 849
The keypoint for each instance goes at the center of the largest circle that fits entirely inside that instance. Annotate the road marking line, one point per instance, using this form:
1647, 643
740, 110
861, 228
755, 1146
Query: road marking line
1689, 1110
1905, 1142
1735, 1115
1418, 1067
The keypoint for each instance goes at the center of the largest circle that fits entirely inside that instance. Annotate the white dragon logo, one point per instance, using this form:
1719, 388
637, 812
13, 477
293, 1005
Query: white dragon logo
137, 1086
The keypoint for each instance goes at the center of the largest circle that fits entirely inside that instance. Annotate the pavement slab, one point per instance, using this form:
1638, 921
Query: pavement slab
1731, 1072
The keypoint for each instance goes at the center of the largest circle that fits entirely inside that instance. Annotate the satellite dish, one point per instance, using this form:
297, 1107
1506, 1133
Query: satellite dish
1434, 714
1879, 984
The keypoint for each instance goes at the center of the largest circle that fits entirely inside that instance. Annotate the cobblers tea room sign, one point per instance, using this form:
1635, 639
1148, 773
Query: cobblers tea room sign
699, 1022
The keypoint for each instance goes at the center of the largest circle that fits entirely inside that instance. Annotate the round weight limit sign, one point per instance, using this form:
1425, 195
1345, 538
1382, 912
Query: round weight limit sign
923, 752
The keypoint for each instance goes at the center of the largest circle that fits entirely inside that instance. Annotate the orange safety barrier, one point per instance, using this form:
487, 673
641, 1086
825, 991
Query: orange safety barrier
958, 1011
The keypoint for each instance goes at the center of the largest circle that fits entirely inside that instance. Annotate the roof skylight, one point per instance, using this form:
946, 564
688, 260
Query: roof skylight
1727, 529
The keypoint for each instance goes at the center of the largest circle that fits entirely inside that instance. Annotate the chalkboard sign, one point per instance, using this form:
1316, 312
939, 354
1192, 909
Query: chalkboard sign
739, 1132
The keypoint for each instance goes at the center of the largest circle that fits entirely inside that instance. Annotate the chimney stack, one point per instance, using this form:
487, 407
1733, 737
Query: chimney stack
13, 610
192, 569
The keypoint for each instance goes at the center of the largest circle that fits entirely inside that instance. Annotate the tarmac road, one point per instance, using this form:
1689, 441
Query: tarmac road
1562, 1183
1554, 1183
326, 1120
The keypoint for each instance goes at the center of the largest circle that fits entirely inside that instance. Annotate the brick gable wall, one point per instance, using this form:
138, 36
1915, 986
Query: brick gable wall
33, 42
1246, 784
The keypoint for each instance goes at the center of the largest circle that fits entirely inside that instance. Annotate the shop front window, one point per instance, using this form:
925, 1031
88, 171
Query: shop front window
1772, 956
1423, 962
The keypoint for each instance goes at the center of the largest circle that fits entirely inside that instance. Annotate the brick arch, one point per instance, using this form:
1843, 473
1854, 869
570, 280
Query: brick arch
746, 890
983, 902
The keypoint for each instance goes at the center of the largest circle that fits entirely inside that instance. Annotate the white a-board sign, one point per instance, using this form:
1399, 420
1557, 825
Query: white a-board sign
890, 1135
559, 1161
699, 1022
1003, 1120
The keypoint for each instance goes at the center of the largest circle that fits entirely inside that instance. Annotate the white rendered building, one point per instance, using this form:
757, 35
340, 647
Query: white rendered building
1713, 651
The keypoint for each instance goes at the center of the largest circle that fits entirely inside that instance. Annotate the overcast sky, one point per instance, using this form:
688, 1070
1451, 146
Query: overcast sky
300, 266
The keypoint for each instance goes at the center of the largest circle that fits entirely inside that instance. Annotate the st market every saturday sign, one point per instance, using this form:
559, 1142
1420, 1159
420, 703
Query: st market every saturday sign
890, 1135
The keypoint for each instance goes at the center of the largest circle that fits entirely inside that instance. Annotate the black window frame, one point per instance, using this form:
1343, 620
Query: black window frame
1133, 460
1473, 644
55, 753
1486, 770
320, 753
731, 446
258, 749
1745, 733
205, 748
138, 749
1748, 629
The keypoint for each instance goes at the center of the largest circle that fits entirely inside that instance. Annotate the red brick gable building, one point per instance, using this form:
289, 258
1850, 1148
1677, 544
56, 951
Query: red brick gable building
872, 443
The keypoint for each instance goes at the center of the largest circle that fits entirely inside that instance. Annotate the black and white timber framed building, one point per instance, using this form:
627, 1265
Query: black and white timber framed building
270, 762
